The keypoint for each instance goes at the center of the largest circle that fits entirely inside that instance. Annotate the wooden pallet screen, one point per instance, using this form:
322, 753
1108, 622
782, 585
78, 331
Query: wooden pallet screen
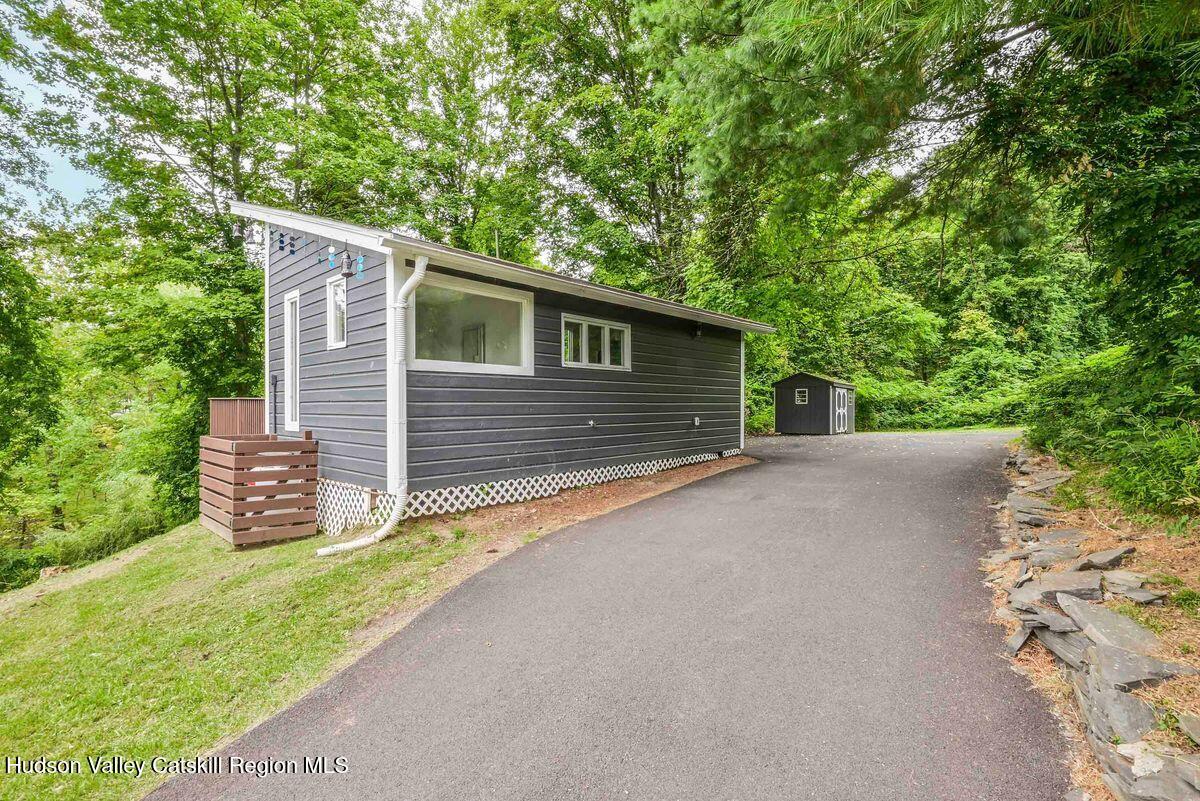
236, 416
258, 487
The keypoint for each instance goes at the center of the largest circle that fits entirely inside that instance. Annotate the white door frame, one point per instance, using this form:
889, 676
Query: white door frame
291, 361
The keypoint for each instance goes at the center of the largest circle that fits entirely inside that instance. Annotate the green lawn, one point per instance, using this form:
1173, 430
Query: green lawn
170, 652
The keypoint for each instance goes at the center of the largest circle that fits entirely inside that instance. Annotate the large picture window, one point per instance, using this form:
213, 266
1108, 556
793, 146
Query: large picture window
601, 344
335, 313
464, 326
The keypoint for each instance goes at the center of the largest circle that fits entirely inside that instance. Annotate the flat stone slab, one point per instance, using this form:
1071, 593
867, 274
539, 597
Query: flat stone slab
1068, 647
1112, 713
1127, 670
1124, 578
1017, 639
1062, 536
1106, 627
1047, 619
1085, 585
1036, 520
1138, 596
1020, 502
1190, 725
1162, 786
1048, 481
1103, 560
1185, 764
1049, 555
1025, 577
1145, 761
1001, 556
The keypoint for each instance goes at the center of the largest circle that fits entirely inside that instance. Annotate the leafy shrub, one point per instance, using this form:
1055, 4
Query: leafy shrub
132, 514
1158, 466
21, 566
1134, 414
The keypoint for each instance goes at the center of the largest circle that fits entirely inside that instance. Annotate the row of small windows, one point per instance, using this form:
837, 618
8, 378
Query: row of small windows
588, 342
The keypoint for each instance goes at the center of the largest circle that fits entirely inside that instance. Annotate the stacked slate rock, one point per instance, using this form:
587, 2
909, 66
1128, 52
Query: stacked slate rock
1107, 654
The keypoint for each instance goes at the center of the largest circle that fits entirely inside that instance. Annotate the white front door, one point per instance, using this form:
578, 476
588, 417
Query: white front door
840, 417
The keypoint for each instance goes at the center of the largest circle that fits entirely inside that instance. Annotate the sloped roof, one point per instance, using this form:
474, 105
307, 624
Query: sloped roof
818, 376
381, 240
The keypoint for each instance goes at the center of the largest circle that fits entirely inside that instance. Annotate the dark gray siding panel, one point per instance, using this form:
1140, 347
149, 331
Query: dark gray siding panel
815, 417
468, 428
343, 392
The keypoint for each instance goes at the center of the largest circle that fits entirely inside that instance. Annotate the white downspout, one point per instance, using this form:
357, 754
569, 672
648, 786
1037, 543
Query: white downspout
400, 332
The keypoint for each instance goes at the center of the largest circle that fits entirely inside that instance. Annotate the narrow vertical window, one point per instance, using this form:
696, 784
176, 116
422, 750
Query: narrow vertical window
291, 361
595, 345
335, 313
572, 342
616, 347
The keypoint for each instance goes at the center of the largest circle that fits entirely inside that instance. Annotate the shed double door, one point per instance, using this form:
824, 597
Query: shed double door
841, 415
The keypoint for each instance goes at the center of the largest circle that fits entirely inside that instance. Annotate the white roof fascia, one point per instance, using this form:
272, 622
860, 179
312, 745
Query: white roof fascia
358, 235
381, 241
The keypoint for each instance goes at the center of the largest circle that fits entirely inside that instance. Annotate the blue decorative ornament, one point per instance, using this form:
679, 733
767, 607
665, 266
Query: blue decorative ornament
332, 258
281, 240
358, 273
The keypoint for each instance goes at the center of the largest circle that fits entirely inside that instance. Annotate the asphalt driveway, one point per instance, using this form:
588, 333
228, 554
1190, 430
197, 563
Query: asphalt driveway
810, 627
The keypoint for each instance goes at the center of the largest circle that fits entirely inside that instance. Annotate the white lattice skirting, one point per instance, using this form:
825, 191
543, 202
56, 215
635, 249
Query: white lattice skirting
341, 506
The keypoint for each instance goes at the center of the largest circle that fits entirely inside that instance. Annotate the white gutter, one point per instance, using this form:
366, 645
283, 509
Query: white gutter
400, 337
266, 265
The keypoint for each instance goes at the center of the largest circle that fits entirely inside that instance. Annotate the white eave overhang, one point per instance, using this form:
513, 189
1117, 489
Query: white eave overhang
381, 241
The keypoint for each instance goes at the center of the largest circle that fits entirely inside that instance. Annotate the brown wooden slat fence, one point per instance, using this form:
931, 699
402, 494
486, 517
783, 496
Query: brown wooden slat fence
235, 416
257, 487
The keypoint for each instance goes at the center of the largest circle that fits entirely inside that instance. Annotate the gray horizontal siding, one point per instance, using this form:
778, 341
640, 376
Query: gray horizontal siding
467, 428
343, 392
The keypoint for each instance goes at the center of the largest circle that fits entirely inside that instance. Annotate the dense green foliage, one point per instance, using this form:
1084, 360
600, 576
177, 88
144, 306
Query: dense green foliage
979, 213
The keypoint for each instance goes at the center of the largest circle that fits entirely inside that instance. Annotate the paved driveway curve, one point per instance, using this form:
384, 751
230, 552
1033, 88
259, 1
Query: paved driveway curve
810, 627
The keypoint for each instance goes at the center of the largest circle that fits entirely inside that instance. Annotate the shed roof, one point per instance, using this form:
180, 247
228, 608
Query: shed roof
381, 240
819, 376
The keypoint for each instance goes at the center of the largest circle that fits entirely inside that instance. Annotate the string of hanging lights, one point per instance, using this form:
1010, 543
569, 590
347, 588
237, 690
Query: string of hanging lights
351, 266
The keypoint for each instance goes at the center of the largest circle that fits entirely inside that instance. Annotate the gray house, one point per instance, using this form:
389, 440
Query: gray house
445, 380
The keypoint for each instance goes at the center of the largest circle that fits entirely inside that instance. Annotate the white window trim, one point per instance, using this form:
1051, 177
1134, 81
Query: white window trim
585, 321
330, 342
803, 402
291, 361
476, 288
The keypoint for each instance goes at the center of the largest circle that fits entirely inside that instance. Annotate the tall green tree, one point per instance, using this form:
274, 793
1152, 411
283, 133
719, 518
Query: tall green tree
611, 152
28, 379
194, 104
